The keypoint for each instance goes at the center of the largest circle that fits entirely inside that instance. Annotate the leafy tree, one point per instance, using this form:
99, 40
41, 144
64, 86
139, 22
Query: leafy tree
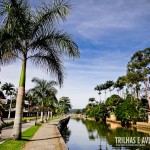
28, 34
87, 109
138, 69
126, 111
113, 101
99, 111
9, 91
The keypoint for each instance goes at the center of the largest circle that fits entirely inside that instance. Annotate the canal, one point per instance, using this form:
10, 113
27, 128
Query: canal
90, 135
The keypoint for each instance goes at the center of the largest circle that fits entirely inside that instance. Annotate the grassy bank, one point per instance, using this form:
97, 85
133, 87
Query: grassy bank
24, 120
18, 144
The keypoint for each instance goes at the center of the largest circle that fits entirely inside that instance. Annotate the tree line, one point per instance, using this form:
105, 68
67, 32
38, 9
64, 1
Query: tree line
41, 98
132, 101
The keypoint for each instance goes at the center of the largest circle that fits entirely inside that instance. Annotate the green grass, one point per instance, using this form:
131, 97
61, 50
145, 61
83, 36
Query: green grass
54, 118
18, 144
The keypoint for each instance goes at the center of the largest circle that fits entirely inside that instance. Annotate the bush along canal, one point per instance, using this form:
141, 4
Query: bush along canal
91, 135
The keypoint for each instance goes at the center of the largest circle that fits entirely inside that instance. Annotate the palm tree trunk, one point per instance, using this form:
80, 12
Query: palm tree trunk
51, 114
48, 115
10, 107
42, 112
42, 116
100, 98
19, 103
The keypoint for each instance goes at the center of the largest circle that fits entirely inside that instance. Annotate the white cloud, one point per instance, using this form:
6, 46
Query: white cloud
94, 19
108, 33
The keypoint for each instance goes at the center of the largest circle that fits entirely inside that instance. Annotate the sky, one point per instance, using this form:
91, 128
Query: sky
108, 33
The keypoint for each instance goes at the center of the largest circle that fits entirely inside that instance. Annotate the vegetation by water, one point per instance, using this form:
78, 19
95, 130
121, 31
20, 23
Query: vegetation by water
131, 103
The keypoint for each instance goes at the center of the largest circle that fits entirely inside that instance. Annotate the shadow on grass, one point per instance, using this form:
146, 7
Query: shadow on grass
41, 139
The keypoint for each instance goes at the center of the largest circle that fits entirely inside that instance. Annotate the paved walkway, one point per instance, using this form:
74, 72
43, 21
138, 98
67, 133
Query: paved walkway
47, 138
7, 132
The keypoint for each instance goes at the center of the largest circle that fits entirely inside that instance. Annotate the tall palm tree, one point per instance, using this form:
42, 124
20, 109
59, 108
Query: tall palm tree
99, 89
51, 102
33, 34
65, 105
109, 84
43, 90
120, 83
9, 90
29, 96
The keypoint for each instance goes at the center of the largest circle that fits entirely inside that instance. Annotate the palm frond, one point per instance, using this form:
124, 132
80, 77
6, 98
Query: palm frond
50, 14
59, 40
10, 48
51, 64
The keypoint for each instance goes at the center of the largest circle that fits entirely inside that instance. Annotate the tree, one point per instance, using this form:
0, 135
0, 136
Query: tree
9, 90
126, 111
99, 89
120, 83
113, 101
65, 105
109, 84
99, 111
51, 102
29, 96
138, 70
34, 35
43, 90
92, 100
102, 87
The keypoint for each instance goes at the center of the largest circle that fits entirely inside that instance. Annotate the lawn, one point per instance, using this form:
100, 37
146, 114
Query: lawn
18, 144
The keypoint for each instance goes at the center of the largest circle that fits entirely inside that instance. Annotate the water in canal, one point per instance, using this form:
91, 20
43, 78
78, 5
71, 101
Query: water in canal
90, 135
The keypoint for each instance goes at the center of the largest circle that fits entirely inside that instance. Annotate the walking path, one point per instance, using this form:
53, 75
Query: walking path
7, 132
47, 138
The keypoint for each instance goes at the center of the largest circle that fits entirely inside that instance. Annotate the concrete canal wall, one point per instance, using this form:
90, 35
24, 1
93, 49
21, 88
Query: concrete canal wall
60, 125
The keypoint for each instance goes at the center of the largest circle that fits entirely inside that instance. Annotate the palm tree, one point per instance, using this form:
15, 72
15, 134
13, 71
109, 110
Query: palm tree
65, 105
92, 100
104, 87
99, 89
28, 34
51, 102
9, 90
29, 96
43, 90
109, 84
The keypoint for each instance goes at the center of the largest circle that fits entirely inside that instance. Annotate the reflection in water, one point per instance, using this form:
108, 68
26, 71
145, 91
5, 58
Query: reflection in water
65, 132
91, 135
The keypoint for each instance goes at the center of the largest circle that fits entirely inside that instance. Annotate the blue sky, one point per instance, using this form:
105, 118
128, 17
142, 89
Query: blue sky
107, 33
